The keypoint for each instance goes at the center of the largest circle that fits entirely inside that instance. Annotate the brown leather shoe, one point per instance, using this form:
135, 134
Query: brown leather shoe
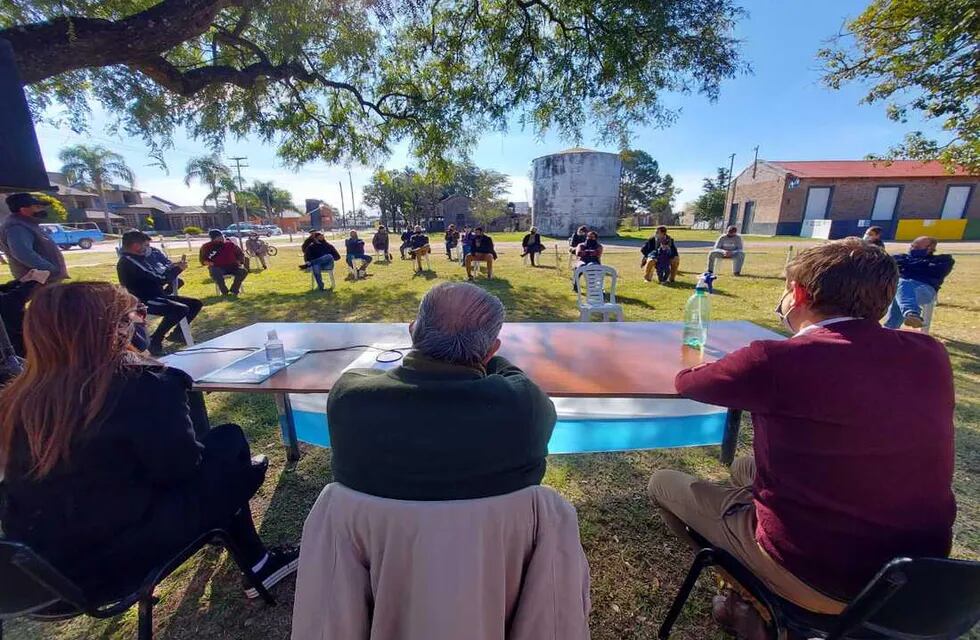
738, 618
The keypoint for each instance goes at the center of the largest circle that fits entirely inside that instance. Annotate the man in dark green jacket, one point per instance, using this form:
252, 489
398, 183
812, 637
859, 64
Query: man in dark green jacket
453, 422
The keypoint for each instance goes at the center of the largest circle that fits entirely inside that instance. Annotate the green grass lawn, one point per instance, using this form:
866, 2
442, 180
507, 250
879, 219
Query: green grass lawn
636, 566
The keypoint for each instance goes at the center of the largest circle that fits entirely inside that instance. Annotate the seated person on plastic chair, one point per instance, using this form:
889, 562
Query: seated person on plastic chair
151, 287
482, 251
838, 486
355, 251
258, 248
590, 251
532, 244
728, 246
921, 273
577, 238
380, 242
319, 255
223, 258
452, 240
418, 247
406, 243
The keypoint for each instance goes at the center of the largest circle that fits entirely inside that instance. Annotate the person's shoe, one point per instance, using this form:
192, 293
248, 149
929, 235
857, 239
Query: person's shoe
176, 336
304, 267
155, 349
470, 278
260, 462
234, 294
913, 319
280, 564
738, 618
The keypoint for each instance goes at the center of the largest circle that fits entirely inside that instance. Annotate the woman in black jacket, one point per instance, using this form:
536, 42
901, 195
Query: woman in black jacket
105, 473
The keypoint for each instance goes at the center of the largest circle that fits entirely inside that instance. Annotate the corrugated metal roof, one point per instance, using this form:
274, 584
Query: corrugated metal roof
94, 214
864, 169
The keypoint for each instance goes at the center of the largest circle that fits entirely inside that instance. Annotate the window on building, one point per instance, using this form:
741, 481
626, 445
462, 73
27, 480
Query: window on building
886, 199
817, 203
957, 197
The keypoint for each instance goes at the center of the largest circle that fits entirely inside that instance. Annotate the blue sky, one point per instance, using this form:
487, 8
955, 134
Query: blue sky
781, 106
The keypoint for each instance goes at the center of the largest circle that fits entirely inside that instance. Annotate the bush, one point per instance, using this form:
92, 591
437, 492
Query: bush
193, 231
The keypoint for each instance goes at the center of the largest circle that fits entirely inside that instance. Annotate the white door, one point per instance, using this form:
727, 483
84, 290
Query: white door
885, 200
955, 205
817, 199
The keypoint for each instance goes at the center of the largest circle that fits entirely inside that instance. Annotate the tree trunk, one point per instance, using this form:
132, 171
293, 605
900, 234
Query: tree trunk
105, 206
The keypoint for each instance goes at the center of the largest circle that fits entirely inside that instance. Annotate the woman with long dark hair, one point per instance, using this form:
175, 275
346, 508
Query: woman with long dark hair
102, 473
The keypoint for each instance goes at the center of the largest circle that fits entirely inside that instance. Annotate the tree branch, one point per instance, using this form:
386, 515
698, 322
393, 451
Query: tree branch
46, 49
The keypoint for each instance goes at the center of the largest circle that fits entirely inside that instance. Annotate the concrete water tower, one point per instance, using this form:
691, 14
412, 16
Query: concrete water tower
575, 187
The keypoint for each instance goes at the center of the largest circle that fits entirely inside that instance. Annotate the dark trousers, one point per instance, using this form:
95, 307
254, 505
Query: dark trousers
218, 275
216, 495
172, 309
13, 299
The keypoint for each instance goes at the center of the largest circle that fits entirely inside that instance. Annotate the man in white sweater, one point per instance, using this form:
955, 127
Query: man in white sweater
728, 246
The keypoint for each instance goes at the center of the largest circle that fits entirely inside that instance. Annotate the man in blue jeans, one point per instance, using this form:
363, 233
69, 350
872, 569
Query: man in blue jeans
920, 275
355, 251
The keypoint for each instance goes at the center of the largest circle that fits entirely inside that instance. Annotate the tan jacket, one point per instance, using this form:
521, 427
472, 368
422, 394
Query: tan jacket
507, 567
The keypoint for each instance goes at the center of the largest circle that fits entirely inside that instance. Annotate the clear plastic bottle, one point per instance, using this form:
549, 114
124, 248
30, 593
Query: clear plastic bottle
697, 315
275, 353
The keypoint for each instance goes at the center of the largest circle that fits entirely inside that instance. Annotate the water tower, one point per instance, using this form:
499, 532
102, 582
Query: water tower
575, 187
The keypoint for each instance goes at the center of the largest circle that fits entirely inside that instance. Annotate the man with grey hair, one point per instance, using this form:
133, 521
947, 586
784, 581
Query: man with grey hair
454, 421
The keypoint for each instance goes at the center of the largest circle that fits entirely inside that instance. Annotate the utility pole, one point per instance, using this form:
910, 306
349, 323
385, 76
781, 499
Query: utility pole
728, 206
755, 162
343, 214
353, 211
241, 188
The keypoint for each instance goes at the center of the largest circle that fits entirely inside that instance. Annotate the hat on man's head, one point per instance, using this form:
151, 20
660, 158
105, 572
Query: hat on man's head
214, 234
16, 201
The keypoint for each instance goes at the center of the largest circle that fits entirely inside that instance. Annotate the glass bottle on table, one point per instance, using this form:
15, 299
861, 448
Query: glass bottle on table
275, 352
697, 315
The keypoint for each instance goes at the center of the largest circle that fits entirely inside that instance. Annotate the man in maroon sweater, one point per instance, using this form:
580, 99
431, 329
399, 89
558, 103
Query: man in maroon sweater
853, 438
223, 258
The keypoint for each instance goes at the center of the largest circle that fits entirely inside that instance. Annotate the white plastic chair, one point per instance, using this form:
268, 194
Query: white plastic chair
593, 299
333, 283
354, 267
927, 311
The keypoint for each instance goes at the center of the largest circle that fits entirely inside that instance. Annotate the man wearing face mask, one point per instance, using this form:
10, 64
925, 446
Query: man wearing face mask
25, 243
837, 486
153, 288
920, 275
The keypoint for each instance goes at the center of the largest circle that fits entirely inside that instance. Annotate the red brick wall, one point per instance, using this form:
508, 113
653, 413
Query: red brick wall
766, 190
853, 198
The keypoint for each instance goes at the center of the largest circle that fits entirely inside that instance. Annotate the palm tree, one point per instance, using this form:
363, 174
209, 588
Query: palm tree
274, 199
94, 167
211, 171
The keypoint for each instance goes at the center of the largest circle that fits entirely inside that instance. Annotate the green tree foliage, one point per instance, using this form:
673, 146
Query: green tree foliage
348, 79
921, 56
208, 170
56, 210
643, 188
710, 205
273, 199
94, 167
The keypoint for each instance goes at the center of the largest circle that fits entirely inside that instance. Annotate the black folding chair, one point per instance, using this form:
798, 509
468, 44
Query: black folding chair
30, 586
909, 599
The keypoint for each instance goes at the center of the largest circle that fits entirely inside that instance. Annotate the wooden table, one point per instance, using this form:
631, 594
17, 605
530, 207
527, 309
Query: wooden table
573, 362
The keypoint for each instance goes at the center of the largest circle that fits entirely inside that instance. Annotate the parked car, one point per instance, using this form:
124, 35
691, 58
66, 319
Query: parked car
272, 230
66, 236
242, 229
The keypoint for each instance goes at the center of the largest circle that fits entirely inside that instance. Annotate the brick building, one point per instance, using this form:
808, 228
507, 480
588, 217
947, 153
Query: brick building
839, 198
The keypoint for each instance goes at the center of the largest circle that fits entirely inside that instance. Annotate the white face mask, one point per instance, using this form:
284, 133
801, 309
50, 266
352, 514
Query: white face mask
784, 317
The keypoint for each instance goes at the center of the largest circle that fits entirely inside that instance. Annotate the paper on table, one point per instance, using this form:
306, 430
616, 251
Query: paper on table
252, 369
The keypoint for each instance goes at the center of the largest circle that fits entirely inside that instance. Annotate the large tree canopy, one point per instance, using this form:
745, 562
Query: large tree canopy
348, 78
921, 56
643, 188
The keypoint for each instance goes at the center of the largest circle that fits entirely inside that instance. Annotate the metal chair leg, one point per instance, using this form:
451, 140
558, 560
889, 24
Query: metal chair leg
145, 622
701, 560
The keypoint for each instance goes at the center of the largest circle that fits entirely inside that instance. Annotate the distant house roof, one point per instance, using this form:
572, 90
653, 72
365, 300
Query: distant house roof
864, 168
289, 213
96, 214
194, 209
65, 189
157, 202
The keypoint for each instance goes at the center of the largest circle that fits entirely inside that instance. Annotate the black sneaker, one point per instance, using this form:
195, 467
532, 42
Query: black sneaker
155, 349
282, 563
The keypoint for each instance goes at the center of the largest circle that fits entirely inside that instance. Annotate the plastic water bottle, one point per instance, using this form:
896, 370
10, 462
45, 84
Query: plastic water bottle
697, 315
275, 353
